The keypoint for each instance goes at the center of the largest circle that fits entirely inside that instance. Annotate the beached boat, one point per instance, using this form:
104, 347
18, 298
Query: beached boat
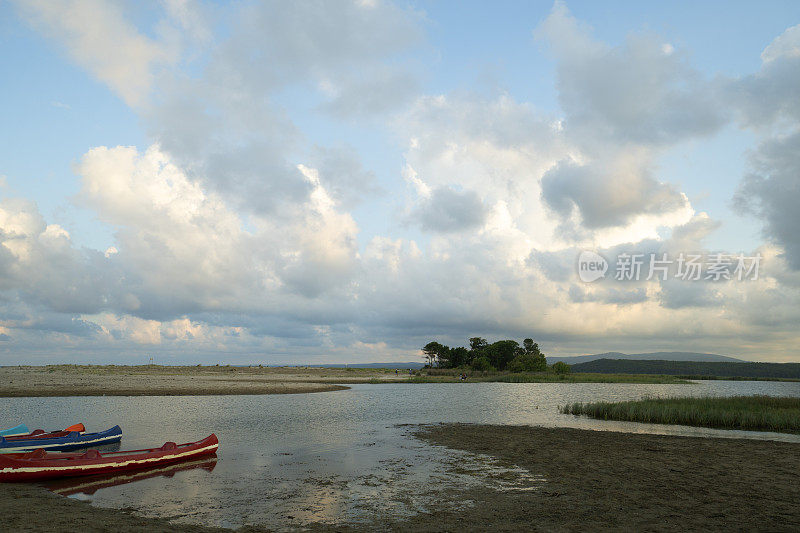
21, 429
40, 464
71, 438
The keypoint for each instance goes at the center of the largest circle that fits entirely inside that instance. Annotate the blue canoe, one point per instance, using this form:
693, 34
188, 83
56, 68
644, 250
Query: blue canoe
59, 440
21, 429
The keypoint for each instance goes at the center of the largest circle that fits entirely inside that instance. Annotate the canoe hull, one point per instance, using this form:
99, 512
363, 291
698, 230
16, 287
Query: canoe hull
59, 441
21, 429
41, 465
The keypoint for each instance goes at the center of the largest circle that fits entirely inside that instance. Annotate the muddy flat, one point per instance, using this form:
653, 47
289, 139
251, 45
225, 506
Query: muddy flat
597, 480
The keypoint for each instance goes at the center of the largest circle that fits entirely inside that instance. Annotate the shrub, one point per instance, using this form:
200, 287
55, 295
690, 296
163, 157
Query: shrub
527, 363
561, 367
482, 363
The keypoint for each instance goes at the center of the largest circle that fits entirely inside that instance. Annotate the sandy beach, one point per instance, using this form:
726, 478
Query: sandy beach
594, 481
75, 380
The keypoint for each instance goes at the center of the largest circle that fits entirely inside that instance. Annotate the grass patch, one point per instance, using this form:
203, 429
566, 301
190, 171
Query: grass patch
757, 413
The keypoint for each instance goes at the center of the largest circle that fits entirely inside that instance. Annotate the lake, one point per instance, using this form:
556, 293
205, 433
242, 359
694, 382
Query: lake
285, 460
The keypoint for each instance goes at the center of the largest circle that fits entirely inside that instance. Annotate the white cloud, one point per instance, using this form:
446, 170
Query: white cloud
99, 38
786, 45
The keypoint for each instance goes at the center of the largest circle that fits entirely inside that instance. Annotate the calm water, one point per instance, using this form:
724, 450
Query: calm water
285, 460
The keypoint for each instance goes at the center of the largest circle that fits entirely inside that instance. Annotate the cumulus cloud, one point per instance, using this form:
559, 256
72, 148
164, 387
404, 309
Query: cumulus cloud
224, 126
614, 296
465, 149
641, 92
40, 264
343, 175
384, 90
769, 97
623, 106
447, 210
608, 193
767, 102
772, 191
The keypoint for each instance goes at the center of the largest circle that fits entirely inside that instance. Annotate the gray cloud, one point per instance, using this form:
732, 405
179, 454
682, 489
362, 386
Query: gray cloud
643, 92
605, 197
769, 96
343, 176
609, 295
768, 102
678, 294
384, 90
224, 125
623, 105
556, 266
772, 191
448, 211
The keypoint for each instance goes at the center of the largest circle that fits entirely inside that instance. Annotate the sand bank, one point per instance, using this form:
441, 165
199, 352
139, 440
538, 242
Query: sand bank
74, 380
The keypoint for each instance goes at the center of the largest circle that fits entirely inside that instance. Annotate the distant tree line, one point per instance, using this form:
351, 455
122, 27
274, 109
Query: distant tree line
505, 355
691, 368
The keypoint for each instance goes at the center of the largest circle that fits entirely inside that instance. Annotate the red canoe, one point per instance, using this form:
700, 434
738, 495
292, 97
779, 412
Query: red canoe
39, 464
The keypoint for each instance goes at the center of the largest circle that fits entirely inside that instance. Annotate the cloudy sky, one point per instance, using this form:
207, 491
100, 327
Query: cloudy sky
331, 181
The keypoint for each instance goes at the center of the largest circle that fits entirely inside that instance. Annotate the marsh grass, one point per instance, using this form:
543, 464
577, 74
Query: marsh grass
758, 413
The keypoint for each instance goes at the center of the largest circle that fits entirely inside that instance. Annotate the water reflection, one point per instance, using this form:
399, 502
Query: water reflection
88, 485
286, 460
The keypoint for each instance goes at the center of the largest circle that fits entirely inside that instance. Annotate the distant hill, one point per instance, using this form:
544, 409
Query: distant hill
691, 368
652, 356
415, 365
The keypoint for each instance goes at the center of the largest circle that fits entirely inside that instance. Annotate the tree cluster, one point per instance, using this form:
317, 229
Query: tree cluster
505, 355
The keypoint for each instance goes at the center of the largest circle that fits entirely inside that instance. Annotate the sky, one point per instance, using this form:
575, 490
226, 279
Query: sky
345, 181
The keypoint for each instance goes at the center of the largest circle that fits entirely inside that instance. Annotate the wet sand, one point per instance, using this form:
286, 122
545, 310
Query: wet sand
626, 482
595, 481
30, 508
74, 380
